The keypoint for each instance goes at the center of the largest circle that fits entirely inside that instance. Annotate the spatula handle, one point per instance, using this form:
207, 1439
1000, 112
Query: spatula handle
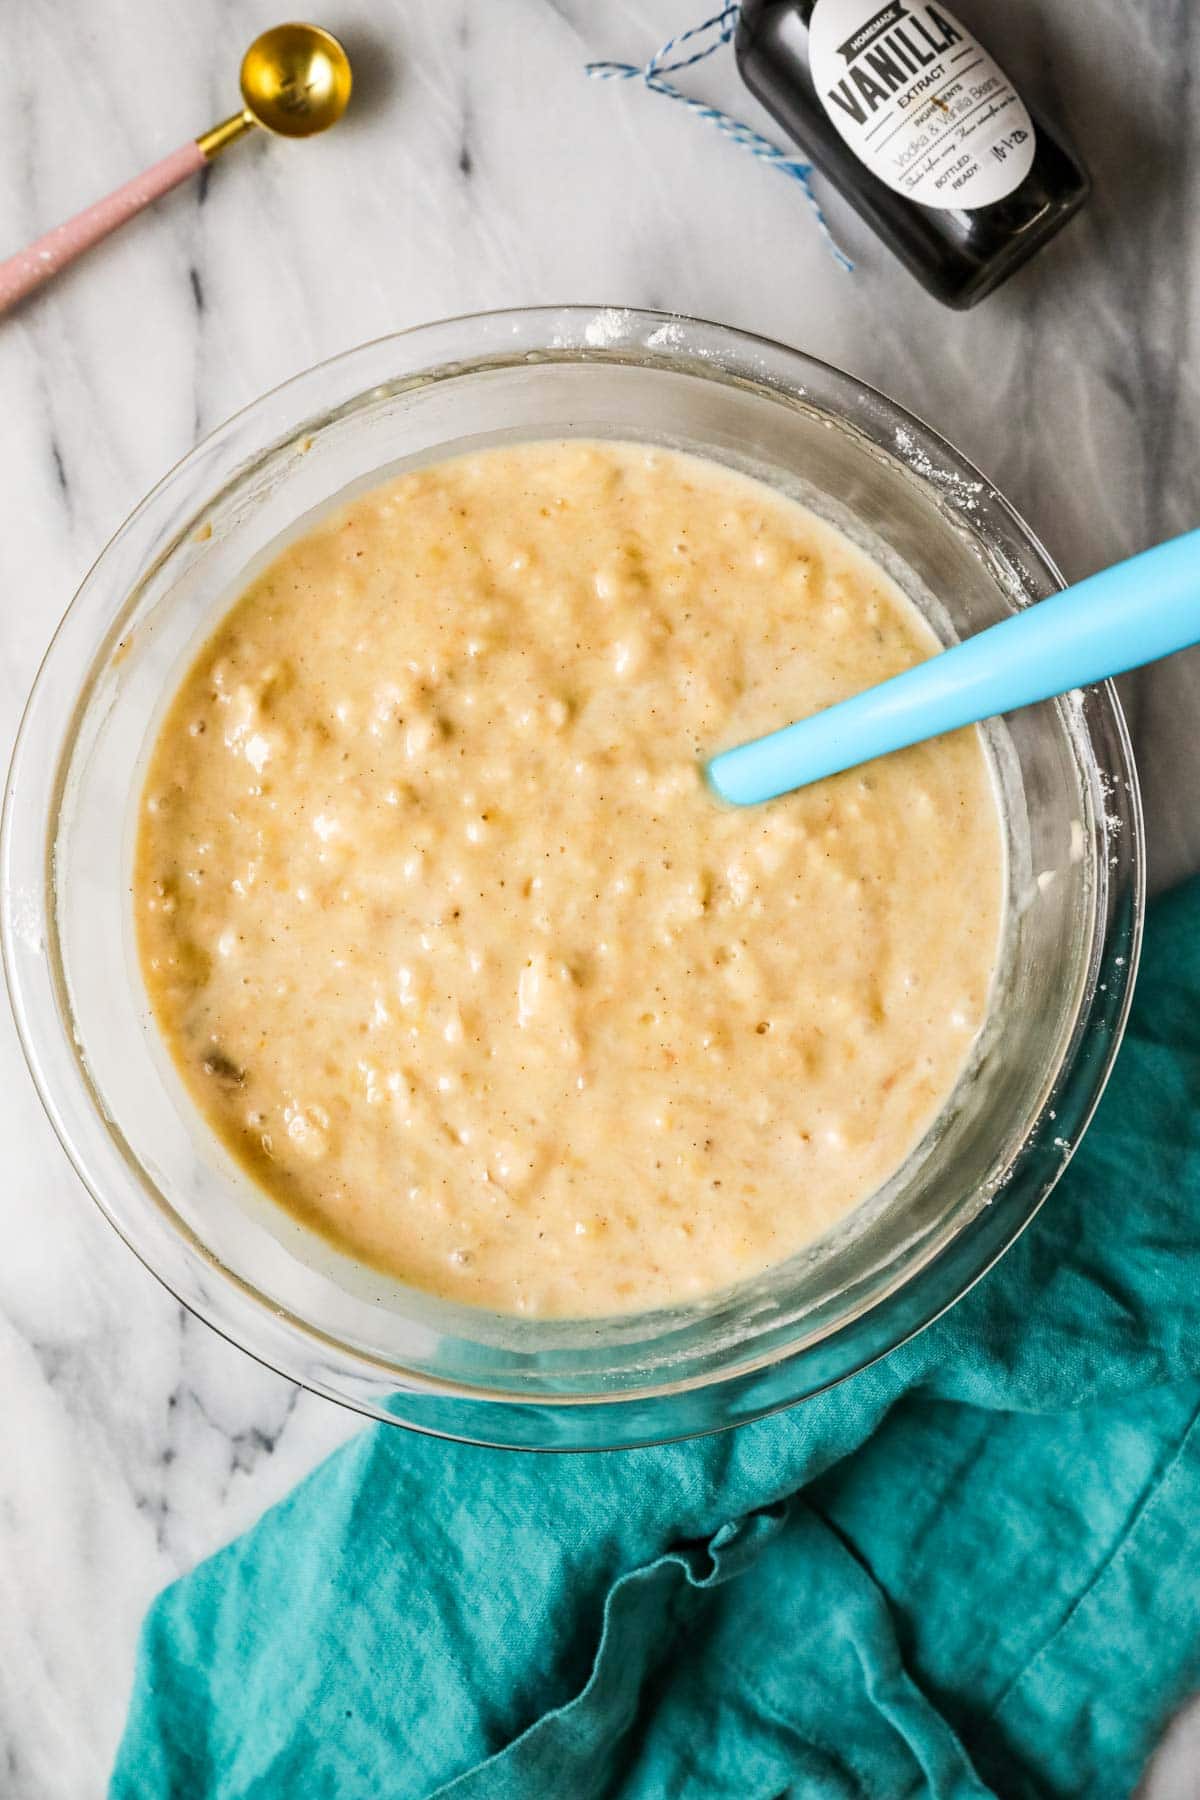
1118, 619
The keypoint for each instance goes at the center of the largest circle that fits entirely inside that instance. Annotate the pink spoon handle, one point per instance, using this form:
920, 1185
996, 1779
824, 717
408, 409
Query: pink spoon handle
27, 270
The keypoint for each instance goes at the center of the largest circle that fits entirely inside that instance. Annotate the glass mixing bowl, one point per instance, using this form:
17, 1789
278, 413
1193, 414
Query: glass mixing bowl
1070, 944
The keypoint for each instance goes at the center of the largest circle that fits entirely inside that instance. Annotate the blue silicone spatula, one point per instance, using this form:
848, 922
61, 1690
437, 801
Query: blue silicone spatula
1119, 619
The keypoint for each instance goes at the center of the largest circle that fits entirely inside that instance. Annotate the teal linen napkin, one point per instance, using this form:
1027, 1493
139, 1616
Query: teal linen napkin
972, 1569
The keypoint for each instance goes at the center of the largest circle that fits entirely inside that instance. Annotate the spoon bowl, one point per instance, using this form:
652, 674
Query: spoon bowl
295, 80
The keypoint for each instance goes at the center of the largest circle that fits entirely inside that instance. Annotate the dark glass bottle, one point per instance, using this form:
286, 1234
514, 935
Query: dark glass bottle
906, 113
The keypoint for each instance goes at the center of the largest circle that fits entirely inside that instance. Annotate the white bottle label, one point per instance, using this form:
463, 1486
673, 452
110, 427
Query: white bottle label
919, 101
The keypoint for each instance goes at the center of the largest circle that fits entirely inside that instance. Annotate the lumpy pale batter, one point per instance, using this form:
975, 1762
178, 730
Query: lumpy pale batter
452, 945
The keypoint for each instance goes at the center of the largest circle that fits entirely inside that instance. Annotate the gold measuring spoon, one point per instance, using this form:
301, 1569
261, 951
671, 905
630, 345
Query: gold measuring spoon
295, 82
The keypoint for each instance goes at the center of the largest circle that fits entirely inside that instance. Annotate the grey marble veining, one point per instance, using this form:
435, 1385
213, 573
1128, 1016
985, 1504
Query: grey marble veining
478, 167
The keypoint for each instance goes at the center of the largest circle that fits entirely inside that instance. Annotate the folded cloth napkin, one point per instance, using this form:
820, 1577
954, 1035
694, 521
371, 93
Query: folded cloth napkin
973, 1569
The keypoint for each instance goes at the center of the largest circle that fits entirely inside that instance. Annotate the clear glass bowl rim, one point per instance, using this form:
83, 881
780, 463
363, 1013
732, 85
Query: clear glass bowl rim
446, 349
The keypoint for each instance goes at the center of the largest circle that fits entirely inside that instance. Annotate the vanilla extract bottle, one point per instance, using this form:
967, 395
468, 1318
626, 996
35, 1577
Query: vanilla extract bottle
910, 117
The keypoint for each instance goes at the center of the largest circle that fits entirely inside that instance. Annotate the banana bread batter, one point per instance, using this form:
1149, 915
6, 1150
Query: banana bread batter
456, 952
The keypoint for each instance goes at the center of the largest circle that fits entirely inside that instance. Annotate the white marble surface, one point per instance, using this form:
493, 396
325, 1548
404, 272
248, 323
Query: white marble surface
477, 168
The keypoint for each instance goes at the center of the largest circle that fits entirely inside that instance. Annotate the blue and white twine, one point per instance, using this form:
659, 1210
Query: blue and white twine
719, 30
